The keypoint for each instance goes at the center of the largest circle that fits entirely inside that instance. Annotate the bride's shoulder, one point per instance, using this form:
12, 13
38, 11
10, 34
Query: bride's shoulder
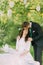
18, 37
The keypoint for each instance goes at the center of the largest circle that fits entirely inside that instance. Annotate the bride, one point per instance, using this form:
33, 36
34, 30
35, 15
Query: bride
21, 55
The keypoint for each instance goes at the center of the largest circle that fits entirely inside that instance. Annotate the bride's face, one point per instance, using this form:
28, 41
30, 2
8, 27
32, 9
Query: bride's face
25, 32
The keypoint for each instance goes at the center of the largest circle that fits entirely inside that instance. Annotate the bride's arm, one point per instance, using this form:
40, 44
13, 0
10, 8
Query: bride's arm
17, 40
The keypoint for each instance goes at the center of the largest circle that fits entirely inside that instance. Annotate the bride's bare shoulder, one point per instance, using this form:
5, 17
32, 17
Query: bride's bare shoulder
18, 37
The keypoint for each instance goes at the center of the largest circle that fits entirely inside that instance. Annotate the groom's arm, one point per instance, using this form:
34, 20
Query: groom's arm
39, 33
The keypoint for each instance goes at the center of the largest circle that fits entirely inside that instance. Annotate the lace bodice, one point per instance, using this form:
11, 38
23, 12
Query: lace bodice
21, 45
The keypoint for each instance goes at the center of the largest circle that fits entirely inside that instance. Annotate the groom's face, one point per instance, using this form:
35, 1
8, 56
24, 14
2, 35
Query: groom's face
30, 24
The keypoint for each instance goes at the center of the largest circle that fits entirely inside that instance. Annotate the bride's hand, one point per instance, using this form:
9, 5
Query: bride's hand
22, 54
16, 49
30, 39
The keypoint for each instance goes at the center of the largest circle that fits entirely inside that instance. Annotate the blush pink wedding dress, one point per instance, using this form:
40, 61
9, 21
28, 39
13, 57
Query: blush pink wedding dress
15, 58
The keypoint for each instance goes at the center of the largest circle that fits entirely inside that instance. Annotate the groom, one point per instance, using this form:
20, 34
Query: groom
37, 43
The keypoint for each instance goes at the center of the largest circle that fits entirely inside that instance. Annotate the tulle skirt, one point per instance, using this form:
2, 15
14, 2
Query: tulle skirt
14, 58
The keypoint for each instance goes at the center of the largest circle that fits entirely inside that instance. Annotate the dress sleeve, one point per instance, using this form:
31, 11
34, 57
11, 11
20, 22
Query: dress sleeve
17, 45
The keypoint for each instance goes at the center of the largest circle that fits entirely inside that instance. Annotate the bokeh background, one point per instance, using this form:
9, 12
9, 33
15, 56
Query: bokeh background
13, 13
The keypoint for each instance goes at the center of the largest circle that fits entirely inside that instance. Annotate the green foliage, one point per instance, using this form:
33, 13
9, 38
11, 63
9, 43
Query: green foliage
11, 16
8, 32
21, 12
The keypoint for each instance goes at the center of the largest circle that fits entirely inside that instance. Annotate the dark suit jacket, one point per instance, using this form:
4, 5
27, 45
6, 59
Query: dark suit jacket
37, 34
